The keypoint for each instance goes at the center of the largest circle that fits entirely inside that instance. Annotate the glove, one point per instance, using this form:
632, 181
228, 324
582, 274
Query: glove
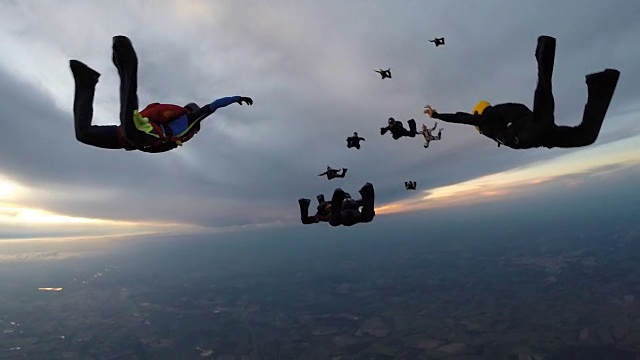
247, 100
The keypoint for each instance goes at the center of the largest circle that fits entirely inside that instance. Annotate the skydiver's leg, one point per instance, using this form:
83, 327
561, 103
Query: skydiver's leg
344, 172
304, 212
357, 146
601, 87
126, 61
543, 102
105, 137
413, 130
426, 144
368, 203
336, 207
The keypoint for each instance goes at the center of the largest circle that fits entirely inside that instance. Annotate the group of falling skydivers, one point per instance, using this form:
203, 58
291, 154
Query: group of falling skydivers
163, 127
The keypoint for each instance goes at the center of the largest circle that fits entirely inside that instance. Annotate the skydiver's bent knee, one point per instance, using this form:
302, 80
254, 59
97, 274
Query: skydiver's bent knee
103, 137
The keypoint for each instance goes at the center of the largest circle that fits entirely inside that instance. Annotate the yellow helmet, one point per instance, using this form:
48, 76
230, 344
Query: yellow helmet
479, 109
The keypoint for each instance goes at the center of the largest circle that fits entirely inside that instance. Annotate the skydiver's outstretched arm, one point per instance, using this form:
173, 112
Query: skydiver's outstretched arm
324, 173
361, 139
384, 130
434, 126
460, 118
202, 113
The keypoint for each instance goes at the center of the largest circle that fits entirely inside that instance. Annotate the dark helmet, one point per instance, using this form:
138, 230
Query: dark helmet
191, 107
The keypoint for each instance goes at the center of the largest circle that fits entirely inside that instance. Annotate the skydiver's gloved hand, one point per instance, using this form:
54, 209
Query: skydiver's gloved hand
247, 100
429, 111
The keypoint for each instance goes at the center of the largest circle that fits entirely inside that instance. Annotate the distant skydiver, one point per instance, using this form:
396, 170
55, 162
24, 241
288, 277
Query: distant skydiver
438, 41
384, 73
354, 141
517, 127
333, 173
410, 185
323, 211
428, 136
398, 130
342, 210
157, 128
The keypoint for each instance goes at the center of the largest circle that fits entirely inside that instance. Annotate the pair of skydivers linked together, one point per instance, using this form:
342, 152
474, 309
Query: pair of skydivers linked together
410, 185
398, 131
342, 209
157, 128
516, 126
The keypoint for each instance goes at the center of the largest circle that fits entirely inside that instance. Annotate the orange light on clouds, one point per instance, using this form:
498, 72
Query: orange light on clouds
603, 159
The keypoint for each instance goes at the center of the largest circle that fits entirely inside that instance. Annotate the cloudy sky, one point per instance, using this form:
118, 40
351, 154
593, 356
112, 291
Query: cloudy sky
308, 67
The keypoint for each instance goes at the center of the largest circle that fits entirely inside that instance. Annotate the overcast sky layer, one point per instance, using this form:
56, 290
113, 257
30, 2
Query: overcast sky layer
309, 68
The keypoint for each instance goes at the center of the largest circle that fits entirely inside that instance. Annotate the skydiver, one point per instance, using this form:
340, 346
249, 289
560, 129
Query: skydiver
410, 185
333, 173
384, 73
157, 128
438, 41
346, 211
323, 211
398, 130
428, 136
517, 127
354, 141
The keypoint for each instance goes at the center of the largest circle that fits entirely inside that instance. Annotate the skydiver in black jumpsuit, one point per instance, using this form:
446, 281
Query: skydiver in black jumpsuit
517, 127
438, 41
322, 214
398, 130
384, 73
334, 173
345, 210
354, 141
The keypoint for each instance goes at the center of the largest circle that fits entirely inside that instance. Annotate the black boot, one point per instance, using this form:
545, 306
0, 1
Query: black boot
545, 56
83, 73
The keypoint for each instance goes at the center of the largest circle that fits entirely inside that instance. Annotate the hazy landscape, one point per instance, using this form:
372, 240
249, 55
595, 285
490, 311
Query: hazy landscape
462, 289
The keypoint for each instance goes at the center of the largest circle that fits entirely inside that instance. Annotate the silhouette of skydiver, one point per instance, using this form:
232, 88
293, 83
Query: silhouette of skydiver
333, 173
410, 185
438, 41
167, 127
516, 126
346, 211
428, 136
384, 73
323, 211
354, 141
398, 130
